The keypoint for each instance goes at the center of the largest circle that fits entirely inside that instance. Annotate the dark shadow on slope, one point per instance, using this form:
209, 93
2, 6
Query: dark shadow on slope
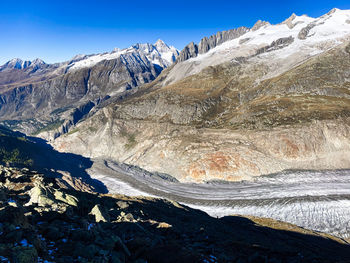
193, 235
19, 150
150, 230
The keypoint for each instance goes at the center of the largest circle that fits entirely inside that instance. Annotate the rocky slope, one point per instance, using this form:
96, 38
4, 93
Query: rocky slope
37, 97
45, 220
274, 98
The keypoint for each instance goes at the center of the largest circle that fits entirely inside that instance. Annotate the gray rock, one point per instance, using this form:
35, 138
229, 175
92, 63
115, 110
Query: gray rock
192, 50
122, 204
59, 103
278, 44
259, 24
305, 31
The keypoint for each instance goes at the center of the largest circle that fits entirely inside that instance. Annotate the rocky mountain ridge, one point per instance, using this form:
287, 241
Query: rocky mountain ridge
59, 95
192, 50
307, 37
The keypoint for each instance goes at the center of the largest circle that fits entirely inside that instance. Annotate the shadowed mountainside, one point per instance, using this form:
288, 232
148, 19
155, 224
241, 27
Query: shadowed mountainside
20, 150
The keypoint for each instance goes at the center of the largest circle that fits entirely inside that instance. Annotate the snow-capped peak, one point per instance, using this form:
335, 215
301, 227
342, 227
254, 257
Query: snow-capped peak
305, 33
18, 63
161, 45
37, 61
159, 54
281, 45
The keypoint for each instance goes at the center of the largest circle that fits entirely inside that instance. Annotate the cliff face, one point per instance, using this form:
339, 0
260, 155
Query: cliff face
50, 98
192, 154
192, 50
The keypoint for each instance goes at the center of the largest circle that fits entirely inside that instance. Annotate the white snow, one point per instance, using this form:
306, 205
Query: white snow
159, 53
330, 30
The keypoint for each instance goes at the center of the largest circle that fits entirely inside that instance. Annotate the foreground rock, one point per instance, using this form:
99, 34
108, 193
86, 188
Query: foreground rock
41, 221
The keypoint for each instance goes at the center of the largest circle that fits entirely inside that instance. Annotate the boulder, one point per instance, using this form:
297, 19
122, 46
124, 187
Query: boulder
66, 198
41, 195
100, 214
122, 204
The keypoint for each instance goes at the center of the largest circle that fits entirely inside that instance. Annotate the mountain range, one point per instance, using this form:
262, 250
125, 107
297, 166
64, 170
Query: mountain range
250, 120
35, 95
273, 98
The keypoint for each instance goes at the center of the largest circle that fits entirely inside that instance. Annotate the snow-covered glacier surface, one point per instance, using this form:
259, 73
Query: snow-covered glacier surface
318, 200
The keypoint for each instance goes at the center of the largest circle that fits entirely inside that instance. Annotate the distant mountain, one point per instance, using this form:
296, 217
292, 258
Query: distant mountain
17, 63
159, 54
34, 94
239, 104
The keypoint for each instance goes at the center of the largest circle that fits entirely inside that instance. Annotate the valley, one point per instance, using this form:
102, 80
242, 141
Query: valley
317, 200
233, 149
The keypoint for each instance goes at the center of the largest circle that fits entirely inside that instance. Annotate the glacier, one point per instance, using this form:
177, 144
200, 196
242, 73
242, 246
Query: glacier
317, 200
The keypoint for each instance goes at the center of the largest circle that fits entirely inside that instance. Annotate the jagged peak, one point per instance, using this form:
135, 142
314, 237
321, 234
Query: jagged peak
259, 24
158, 53
332, 11
38, 61
292, 16
16, 60
21, 64
79, 56
160, 43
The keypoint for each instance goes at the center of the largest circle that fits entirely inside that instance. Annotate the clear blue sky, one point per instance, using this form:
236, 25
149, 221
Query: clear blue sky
57, 30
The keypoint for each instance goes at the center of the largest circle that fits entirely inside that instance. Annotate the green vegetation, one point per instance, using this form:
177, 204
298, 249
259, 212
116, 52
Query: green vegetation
73, 131
131, 138
49, 127
16, 148
131, 141
59, 110
24, 139
14, 157
92, 129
